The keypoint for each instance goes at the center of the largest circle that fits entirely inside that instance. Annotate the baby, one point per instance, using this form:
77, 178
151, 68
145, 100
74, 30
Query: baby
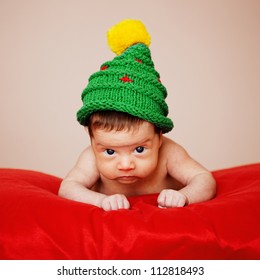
125, 113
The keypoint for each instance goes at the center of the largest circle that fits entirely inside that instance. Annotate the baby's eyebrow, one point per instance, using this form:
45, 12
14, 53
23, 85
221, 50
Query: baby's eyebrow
146, 141
143, 142
102, 145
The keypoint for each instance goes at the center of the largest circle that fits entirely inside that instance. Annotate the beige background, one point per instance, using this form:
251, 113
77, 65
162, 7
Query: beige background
206, 51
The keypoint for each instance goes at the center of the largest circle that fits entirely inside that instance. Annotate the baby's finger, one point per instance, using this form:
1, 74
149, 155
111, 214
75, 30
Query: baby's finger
161, 200
169, 200
106, 205
120, 203
162, 207
180, 202
126, 204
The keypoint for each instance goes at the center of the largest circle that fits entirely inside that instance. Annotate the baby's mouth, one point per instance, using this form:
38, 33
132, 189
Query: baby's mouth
127, 179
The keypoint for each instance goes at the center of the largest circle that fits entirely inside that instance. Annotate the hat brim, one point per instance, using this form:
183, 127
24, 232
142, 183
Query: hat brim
160, 121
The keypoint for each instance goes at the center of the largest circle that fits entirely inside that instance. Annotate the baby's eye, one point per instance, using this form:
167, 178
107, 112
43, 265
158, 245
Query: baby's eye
109, 152
140, 149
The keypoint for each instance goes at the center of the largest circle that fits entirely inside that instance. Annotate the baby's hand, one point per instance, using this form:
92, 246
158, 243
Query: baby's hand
115, 202
171, 198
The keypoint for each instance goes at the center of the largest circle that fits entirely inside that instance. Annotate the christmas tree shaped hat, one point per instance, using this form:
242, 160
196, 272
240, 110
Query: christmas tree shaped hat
128, 83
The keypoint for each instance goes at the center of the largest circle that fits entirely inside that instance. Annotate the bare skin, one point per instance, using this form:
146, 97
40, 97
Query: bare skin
119, 164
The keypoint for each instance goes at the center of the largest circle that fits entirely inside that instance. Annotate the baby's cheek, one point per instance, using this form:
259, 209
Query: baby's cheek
109, 170
105, 169
146, 168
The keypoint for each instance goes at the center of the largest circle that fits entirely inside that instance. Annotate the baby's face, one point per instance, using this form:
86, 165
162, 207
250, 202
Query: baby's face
126, 156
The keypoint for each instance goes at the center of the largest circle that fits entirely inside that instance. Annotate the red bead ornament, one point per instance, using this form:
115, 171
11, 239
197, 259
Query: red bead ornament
104, 67
139, 60
126, 79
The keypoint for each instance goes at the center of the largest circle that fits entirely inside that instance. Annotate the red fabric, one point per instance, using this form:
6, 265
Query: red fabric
37, 224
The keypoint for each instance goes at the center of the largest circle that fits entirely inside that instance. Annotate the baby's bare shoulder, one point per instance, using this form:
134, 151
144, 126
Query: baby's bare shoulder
171, 147
87, 160
87, 154
173, 154
179, 163
85, 167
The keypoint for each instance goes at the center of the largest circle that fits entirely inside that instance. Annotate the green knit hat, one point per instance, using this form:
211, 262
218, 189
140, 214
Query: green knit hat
129, 83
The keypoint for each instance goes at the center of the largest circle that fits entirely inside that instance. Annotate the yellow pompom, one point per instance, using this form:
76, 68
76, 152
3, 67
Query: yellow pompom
127, 33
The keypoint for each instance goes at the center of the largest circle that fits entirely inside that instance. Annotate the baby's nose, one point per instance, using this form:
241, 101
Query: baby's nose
126, 163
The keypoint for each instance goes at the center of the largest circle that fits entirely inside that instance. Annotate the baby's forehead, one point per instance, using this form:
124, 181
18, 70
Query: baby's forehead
135, 136
131, 127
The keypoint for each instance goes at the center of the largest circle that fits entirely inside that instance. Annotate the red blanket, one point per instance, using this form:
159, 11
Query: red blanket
37, 224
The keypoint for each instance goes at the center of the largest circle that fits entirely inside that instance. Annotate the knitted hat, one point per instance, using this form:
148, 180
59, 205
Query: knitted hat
128, 83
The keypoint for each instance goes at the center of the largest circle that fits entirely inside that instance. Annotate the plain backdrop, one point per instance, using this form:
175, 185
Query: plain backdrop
206, 51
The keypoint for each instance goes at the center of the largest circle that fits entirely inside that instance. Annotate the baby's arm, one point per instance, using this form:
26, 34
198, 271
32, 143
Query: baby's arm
199, 184
76, 185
